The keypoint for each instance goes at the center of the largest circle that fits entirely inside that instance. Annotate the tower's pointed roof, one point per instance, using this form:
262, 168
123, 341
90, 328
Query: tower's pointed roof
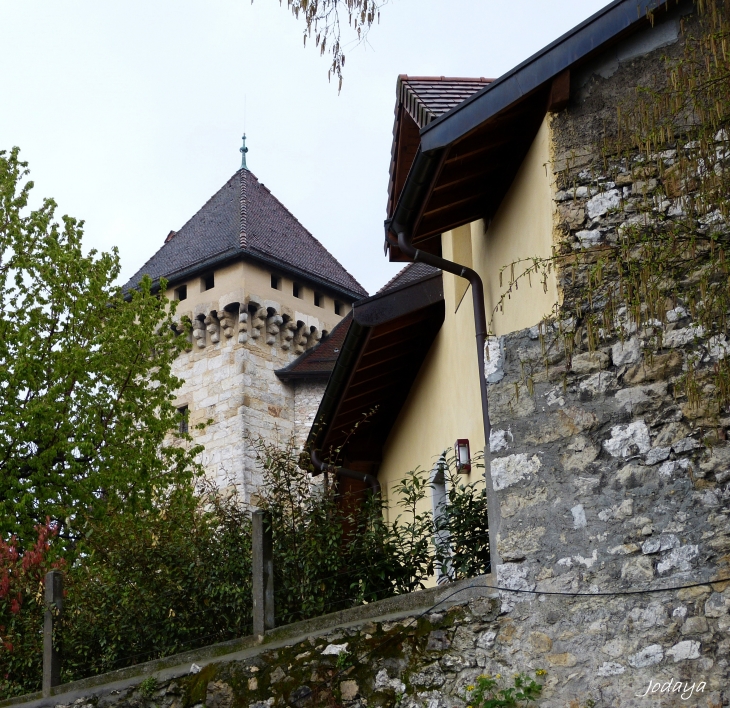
245, 220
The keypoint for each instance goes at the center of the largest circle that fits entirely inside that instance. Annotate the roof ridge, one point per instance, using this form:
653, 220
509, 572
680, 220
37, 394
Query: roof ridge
473, 79
243, 210
396, 276
414, 92
414, 104
165, 242
308, 232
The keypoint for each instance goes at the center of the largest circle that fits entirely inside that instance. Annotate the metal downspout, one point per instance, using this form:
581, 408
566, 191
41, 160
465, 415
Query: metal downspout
480, 326
322, 466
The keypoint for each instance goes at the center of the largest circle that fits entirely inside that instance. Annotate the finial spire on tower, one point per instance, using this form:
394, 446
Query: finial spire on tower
243, 150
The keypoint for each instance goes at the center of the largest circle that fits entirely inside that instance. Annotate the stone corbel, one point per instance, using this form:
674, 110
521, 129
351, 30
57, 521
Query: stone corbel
227, 321
258, 321
180, 323
273, 323
182, 326
300, 337
243, 317
199, 331
229, 307
213, 327
314, 336
288, 333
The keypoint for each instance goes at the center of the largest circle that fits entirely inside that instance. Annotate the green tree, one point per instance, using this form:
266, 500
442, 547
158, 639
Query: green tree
85, 374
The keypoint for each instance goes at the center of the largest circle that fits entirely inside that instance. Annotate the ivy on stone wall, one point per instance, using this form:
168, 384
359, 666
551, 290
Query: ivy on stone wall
645, 222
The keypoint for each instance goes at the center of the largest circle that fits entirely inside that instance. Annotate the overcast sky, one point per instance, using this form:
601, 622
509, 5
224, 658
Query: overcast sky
131, 112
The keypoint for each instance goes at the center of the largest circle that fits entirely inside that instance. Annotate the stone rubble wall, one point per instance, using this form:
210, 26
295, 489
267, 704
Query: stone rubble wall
606, 478
429, 659
229, 383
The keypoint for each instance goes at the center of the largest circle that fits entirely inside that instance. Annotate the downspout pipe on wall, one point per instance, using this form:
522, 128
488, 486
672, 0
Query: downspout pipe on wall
480, 326
322, 466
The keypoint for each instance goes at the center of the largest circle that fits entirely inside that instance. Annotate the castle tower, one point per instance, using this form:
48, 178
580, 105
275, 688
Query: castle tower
260, 291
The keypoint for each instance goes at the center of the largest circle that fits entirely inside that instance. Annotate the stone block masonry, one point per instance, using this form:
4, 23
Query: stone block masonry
230, 385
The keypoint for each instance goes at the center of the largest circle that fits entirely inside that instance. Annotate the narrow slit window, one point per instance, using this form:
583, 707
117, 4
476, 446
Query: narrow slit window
338, 307
318, 300
296, 290
275, 282
209, 281
181, 293
182, 426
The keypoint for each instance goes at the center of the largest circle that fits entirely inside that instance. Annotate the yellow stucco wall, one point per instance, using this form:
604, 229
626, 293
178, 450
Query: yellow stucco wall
444, 403
521, 228
252, 279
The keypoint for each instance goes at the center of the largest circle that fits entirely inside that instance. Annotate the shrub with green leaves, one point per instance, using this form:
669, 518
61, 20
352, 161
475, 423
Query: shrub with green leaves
493, 692
143, 585
333, 552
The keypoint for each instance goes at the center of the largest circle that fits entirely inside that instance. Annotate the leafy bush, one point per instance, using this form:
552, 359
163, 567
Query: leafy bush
163, 581
22, 609
152, 582
142, 585
331, 552
488, 694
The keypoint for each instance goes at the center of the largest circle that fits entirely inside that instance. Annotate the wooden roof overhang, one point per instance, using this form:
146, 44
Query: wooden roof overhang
467, 158
386, 345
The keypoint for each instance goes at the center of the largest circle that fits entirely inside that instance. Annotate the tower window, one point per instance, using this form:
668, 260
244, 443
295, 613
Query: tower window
338, 307
296, 290
181, 293
182, 425
209, 281
318, 300
275, 282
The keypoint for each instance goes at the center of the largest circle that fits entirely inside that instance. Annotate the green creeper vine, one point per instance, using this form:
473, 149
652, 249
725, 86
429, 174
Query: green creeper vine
666, 264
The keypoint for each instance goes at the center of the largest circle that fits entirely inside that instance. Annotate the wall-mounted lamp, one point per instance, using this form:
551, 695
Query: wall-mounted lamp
463, 456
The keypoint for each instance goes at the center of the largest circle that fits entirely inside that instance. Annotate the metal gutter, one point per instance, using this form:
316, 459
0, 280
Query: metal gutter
605, 25
480, 327
577, 44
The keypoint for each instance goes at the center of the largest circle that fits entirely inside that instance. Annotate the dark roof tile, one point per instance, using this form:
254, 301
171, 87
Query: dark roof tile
412, 273
427, 97
319, 361
245, 219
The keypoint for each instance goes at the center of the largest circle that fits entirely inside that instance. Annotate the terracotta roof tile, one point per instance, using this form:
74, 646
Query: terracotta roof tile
420, 100
427, 97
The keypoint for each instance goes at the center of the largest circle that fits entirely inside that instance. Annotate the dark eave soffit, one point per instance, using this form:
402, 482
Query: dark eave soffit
389, 338
489, 133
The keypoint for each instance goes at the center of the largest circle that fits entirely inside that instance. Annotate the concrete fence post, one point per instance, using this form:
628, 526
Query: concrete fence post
51, 654
263, 573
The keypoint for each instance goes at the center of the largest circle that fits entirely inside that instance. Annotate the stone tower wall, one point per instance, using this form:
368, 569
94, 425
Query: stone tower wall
230, 385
